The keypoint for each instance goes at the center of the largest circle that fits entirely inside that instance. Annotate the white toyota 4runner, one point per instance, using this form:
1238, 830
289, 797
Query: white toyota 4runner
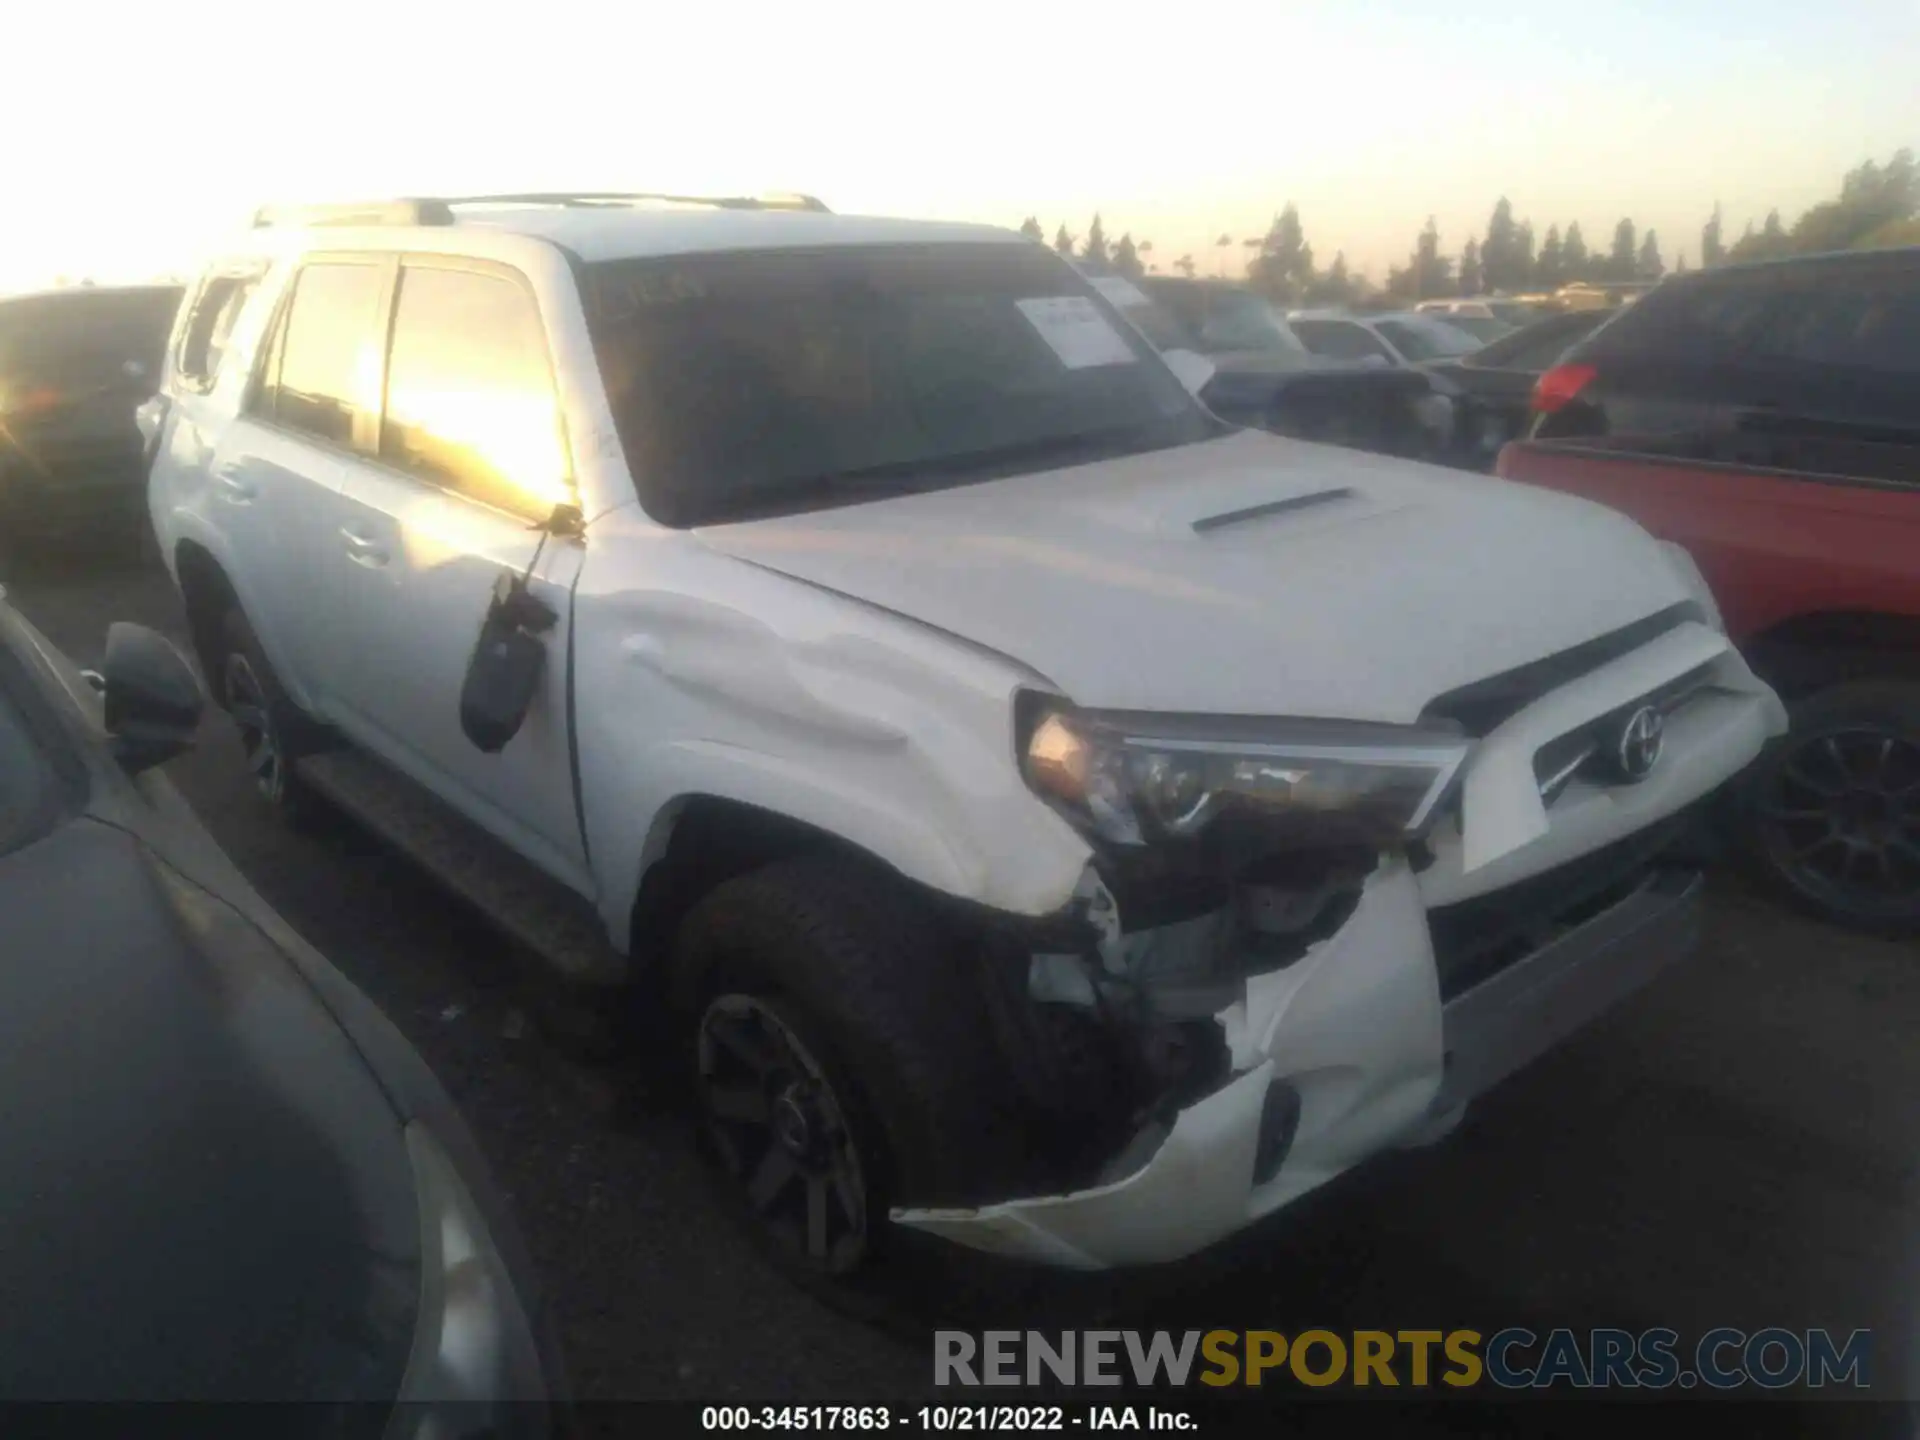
1052, 818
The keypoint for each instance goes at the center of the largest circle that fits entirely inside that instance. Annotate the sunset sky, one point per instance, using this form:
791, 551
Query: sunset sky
138, 137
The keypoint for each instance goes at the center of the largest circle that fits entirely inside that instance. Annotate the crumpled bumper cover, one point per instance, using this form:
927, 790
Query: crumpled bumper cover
1200, 1187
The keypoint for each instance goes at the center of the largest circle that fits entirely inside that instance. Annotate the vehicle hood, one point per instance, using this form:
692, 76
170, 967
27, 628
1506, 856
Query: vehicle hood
1250, 575
204, 1191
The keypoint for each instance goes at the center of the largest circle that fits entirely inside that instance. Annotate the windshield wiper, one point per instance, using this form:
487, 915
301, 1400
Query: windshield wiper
840, 485
1088, 444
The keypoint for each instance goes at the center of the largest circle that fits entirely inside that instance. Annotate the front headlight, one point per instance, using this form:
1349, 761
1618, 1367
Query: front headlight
475, 1367
1131, 779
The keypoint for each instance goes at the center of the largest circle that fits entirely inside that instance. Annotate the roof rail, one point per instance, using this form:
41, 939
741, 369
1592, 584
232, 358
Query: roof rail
439, 210
589, 198
373, 212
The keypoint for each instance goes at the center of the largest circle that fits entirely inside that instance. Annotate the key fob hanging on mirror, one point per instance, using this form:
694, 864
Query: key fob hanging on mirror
503, 674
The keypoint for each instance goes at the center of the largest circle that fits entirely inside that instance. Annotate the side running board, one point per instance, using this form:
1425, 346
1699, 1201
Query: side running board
530, 907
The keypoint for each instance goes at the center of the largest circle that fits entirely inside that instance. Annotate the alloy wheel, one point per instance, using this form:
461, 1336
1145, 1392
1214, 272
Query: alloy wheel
1840, 819
781, 1133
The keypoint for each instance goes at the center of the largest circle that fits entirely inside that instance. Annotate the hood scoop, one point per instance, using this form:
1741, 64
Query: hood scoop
1287, 506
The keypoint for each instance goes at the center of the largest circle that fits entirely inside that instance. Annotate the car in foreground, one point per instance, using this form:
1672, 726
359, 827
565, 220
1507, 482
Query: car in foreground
227, 1176
1261, 375
1493, 387
1767, 418
1037, 812
75, 364
1395, 338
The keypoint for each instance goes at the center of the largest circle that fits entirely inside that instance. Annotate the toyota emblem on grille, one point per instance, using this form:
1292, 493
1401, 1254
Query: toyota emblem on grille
1637, 749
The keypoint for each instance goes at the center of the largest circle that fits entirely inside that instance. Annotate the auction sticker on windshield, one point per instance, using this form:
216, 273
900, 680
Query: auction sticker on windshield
1077, 332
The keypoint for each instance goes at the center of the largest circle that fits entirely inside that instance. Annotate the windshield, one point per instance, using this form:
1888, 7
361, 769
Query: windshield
762, 382
1241, 320
1482, 327
1159, 324
1420, 338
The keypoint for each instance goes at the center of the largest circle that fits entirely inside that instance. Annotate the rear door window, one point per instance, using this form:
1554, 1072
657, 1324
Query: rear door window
1864, 322
323, 376
1340, 339
1706, 320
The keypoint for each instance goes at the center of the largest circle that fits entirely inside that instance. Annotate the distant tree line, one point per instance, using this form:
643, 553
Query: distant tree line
1125, 255
1878, 205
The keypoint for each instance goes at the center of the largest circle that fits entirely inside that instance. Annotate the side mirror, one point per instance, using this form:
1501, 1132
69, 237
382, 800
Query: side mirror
1194, 370
152, 699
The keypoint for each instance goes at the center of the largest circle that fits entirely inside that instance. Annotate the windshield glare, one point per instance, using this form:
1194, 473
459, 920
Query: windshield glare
763, 381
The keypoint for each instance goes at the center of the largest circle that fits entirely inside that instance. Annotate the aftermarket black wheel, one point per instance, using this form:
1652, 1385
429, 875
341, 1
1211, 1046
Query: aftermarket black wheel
841, 1066
271, 728
1832, 810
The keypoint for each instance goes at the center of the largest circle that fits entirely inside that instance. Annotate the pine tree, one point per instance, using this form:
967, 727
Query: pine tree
1578, 263
1649, 265
1620, 261
1550, 271
1712, 252
1470, 268
1094, 252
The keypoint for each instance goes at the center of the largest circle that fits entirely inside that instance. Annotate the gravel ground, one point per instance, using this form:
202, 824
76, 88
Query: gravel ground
1736, 1146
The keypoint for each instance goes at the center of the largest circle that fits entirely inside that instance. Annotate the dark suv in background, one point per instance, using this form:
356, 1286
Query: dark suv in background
1809, 364
74, 365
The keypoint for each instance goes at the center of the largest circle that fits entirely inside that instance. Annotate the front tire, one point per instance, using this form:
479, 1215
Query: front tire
841, 1066
1831, 812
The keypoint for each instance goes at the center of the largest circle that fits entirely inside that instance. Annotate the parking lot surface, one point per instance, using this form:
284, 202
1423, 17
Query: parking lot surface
1735, 1147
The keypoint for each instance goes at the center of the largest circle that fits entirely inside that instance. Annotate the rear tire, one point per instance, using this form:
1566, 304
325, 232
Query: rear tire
840, 1064
1829, 816
274, 732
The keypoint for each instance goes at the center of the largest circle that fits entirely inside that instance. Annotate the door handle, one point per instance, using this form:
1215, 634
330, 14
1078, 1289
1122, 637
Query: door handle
235, 488
364, 551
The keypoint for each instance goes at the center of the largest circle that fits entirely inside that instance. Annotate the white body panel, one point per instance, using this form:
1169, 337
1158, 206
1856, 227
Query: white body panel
1365, 607
855, 669
412, 570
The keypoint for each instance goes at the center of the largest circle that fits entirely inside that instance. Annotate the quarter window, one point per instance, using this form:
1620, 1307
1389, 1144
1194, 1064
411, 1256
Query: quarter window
210, 327
470, 398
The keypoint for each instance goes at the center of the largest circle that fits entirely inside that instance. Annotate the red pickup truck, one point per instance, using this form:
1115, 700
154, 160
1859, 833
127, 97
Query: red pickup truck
1817, 576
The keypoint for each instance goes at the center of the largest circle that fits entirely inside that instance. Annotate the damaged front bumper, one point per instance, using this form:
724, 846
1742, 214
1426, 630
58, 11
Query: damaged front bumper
1379, 1033
1351, 1056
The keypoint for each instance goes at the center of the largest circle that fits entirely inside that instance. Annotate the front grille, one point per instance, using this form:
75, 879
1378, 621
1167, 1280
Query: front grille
1476, 939
1583, 752
1484, 706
